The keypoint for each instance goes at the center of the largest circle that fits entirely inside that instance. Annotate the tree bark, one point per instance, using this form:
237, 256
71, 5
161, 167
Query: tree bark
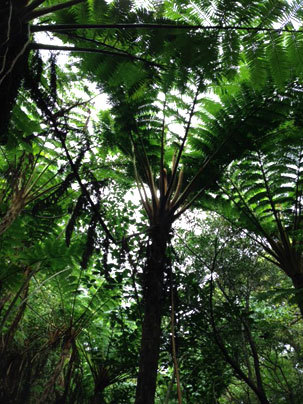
14, 37
297, 280
153, 293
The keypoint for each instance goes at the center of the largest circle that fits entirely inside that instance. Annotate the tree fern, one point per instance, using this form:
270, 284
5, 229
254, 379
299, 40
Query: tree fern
264, 194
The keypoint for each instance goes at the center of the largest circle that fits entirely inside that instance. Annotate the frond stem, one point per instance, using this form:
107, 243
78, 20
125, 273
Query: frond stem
68, 27
47, 10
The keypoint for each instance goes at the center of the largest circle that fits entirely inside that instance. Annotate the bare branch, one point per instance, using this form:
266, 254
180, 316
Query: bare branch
70, 27
47, 10
41, 46
34, 4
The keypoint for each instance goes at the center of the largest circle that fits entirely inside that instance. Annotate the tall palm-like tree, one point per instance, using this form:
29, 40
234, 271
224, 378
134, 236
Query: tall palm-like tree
172, 172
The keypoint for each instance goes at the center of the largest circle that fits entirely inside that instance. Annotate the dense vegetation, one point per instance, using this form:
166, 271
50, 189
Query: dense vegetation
151, 246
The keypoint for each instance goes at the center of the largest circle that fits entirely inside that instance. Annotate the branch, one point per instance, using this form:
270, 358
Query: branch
69, 27
17, 295
42, 46
83, 38
34, 4
84, 189
251, 342
53, 119
173, 341
220, 343
47, 10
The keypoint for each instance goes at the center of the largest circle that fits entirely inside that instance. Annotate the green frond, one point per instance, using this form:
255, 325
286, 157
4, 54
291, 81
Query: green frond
278, 62
294, 48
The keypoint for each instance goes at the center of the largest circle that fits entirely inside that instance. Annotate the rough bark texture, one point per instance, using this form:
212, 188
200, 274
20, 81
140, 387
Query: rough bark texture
151, 329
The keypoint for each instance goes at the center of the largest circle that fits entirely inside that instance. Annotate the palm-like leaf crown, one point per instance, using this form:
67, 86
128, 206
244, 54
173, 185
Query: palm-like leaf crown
265, 196
191, 154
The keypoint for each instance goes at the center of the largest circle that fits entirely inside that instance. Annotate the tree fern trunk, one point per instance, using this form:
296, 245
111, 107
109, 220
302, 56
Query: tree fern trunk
151, 330
14, 326
297, 281
50, 385
13, 56
11, 215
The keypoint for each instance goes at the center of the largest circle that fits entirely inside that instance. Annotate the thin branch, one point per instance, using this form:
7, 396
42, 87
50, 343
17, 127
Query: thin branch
251, 342
218, 339
34, 4
189, 204
76, 295
84, 189
42, 46
47, 10
118, 50
173, 341
17, 295
69, 27
41, 284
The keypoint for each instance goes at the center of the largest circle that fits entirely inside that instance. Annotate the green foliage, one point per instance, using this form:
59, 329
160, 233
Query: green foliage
235, 311
74, 242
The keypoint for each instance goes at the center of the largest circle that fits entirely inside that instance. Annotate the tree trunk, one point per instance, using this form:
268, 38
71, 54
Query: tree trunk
261, 391
98, 398
297, 281
14, 36
153, 288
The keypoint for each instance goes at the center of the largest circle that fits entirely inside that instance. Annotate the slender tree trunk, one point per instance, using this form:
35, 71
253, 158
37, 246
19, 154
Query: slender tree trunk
69, 374
4, 299
229, 359
262, 394
153, 289
14, 326
169, 389
50, 385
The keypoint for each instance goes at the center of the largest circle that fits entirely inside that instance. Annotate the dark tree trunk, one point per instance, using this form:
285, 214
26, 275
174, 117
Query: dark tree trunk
153, 294
13, 58
297, 281
262, 394
98, 398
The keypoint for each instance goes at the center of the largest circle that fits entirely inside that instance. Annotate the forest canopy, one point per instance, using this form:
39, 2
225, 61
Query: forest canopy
151, 245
